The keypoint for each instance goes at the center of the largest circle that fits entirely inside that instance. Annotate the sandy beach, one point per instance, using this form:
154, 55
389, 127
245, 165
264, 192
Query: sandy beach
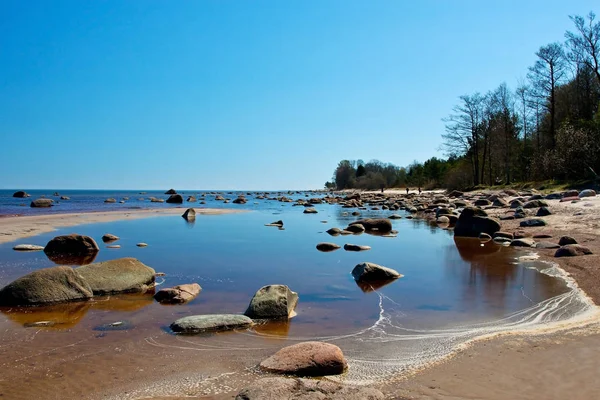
18, 227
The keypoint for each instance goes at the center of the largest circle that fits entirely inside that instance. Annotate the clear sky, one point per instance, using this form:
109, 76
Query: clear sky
223, 94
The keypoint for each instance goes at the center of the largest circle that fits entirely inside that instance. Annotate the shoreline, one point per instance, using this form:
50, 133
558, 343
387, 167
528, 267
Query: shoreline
14, 228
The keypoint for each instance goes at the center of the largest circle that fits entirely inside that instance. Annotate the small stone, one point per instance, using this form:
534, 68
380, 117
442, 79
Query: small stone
28, 247
109, 238
142, 244
211, 323
524, 242
356, 247
533, 223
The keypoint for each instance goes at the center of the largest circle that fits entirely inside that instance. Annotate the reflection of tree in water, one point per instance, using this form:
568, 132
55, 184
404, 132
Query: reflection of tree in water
494, 280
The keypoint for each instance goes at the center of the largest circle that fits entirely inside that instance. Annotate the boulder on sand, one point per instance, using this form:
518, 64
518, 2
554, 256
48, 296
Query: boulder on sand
40, 203
178, 294
366, 271
307, 359
72, 244
175, 199
211, 323
473, 221
189, 214
279, 388
123, 275
272, 302
572, 250
375, 224
44, 286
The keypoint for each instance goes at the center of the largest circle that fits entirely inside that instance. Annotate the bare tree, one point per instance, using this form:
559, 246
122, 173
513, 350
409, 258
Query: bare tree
585, 43
546, 74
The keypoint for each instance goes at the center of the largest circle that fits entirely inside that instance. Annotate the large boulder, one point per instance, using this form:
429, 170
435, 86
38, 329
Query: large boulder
565, 240
72, 244
211, 323
279, 388
48, 285
572, 250
355, 228
587, 193
473, 221
20, 194
240, 200
272, 302
175, 199
374, 224
178, 294
123, 275
307, 359
41, 203
366, 272
189, 214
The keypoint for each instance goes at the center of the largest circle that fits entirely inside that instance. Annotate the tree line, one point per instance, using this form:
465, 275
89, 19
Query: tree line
546, 128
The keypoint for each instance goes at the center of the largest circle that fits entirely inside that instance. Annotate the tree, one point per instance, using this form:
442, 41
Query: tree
585, 44
344, 175
546, 74
360, 171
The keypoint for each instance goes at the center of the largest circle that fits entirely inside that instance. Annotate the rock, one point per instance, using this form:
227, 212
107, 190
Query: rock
310, 211
211, 323
175, 199
272, 302
355, 228
325, 246
565, 240
20, 194
484, 236
356, 213
572, 250
524, 242
40, 203
442, 219
240, 200
450, 217
506, 235
345, 232
374, 224
65, 198
356, 247
178, 294
334, 231
543, 212
500, 202
189, 214
305, 389
535, 204
28, 247
123, 275
546, 245
278, 224
142, 244
171, 191
521, 234
110, 200
109, 238
587, 193
114, 246
72, 244
307, 359
482, 202
366, 271
473, 221
533, 223
48, 285
395, 216
571, 199
516, 204
155, 200
191, 199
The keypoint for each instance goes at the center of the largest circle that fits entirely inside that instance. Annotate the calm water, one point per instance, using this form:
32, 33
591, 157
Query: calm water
451, 291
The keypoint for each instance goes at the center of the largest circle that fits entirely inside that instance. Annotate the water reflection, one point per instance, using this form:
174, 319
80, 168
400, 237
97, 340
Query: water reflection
72, 259
368, 287
67, 315
279, 328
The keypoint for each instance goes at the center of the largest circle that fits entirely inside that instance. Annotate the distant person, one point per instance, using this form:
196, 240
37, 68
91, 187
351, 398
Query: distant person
406, 190
382, 186
419, 189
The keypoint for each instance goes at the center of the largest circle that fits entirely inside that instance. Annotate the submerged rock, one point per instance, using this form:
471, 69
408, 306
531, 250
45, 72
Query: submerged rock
334, 231
211, 323
123, 275
356, 247
278, 224
110, 200
375, 224
178, 294
325, 246
142, 244
367, 271
41, 203
473, 221
272, 302
44, 286
310, 211
307, 359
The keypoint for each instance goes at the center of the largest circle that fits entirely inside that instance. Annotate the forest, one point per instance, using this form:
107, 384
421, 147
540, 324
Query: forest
547, 128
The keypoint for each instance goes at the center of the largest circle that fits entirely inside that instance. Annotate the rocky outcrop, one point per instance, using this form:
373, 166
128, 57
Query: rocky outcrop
366, 271
175, 199
123, 275
178, 294
272, 302
473, 221
305, 389
211, 323
44, 286
41, 203
307, 359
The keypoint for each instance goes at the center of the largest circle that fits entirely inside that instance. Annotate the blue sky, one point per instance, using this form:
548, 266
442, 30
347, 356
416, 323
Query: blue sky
245, 94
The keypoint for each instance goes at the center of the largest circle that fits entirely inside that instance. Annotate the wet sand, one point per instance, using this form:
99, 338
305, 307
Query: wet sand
18, 227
